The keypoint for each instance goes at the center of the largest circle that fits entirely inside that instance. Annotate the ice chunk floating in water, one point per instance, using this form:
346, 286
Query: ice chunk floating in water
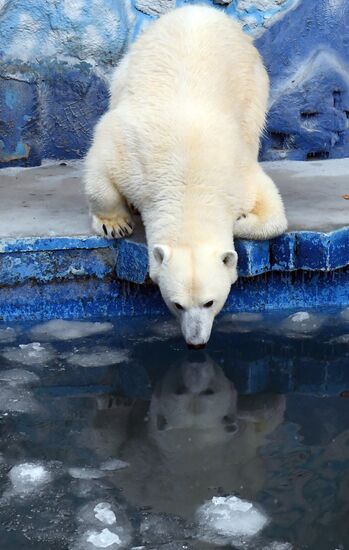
29, 354
240, 322
85, 473
229, 520
104, 513
301, 323
16, 399
28, 477
114, 464
345, 314
342, 339
99, 357
104, 539
103, 525
58, 329
19, 377
7, 335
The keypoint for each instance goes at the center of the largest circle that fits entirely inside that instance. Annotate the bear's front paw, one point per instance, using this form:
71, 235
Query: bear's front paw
115, 227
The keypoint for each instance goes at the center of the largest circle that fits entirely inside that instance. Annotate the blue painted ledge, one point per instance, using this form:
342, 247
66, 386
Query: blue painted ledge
303, 250
72, 277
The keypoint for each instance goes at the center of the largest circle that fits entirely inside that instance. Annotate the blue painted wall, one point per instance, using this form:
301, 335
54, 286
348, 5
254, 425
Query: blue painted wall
56, 59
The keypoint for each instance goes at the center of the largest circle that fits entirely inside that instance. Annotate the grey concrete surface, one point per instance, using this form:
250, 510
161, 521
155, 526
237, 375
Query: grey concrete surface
48, 200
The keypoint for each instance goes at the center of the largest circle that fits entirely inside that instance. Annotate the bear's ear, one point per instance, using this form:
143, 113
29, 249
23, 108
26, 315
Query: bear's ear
161, 253
230, 259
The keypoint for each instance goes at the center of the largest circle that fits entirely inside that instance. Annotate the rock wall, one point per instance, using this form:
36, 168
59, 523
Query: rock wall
56, 58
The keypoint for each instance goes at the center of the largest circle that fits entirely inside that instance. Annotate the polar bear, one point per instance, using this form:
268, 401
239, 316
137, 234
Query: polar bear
180, 142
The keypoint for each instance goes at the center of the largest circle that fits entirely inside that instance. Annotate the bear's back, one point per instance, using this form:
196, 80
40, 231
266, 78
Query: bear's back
194, 51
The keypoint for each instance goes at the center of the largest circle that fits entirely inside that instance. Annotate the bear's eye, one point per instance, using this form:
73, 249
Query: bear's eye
178, 306
209, 304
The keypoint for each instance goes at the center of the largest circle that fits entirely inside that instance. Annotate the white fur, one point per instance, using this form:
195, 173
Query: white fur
180, 142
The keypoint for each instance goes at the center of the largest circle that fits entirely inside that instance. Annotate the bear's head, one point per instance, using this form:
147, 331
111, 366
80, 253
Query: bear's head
197, 396
195, 283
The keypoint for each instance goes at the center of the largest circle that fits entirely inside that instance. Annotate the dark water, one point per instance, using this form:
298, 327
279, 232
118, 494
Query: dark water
117, 439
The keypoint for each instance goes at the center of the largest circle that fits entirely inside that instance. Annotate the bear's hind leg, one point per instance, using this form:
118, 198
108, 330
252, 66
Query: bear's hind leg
267, 219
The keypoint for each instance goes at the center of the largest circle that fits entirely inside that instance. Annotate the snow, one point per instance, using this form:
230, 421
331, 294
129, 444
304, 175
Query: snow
18, 377
7, 335
85, 473
28, 477
99, 357
114, 464
58, 329
104, 513
229, 520
301, 324
29, 354
104, 539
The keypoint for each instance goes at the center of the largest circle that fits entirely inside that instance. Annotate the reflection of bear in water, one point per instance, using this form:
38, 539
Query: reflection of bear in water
194, 440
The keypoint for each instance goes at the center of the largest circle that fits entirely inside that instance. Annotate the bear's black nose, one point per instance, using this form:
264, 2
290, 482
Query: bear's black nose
196, 346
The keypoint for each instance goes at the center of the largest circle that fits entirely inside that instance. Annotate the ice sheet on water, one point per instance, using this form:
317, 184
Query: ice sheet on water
229, 520
98, 357
19, 377
29, 354
28, 477
85, 473
163, 528
59, 329
45, 518
301, 324
7, 335
114, 464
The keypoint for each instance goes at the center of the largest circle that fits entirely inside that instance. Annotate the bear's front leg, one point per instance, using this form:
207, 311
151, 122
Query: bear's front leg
111, 216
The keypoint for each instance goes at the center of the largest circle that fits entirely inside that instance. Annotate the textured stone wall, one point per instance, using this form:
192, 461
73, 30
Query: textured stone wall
56, 58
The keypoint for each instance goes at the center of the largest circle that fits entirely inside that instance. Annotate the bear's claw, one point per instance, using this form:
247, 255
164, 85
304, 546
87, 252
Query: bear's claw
113, 228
